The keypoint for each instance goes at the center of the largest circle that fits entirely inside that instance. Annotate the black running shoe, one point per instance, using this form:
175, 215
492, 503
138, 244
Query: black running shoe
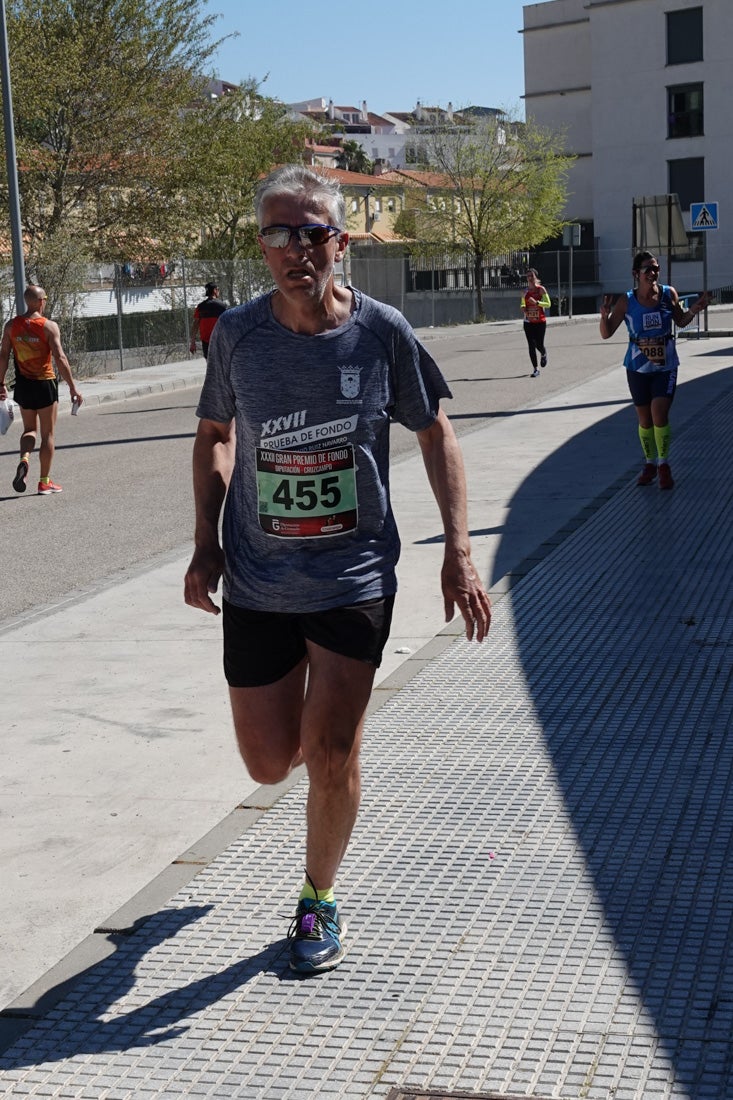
20, 475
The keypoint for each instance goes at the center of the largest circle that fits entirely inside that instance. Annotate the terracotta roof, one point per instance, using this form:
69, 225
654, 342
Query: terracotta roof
385, 235
421, 179
382, 236
353, 179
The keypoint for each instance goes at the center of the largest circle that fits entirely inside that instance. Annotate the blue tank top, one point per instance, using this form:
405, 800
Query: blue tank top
651, 341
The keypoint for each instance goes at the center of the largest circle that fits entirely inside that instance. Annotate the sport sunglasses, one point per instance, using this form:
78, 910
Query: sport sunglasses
309, 236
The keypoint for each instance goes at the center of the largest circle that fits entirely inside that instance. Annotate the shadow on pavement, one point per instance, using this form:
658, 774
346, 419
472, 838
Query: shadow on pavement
89, 998
593, 463
626, 641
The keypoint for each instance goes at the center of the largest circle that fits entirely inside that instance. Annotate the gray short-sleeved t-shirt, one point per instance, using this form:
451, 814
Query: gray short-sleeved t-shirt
308, 523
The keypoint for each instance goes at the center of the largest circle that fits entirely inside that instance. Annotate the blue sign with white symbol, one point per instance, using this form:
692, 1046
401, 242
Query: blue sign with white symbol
703, 215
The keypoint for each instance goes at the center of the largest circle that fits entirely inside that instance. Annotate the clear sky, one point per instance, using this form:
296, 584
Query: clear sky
387, 52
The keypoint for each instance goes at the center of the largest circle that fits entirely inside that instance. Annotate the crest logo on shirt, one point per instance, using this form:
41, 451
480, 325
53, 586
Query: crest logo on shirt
350, 383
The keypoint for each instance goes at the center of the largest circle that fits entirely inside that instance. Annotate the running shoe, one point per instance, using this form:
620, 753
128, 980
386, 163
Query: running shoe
647, 475
20, 475
535, 373
46, 487
315, 934
543, 360
666, 480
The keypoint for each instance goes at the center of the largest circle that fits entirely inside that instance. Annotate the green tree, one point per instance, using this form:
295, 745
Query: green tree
500, 187
100, 92
240, 137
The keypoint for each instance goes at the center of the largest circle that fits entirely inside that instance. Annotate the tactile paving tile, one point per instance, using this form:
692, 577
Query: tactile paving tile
539, 888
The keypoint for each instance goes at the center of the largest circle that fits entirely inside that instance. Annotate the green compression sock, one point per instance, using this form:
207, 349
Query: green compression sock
648, 444
309, 891
662, 437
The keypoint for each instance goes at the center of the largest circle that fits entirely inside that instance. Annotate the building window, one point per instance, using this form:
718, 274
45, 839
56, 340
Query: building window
684, 36
354, 206
685, 111
415, 154
687, 179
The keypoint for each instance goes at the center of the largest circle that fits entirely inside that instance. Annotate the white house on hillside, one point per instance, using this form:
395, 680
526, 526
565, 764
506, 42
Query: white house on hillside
394, 138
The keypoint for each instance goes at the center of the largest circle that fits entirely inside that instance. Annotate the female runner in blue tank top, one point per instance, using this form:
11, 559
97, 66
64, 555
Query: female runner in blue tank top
651, 360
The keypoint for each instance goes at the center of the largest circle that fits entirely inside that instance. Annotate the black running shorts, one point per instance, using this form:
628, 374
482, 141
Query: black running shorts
645, 387
260, 647
32, 393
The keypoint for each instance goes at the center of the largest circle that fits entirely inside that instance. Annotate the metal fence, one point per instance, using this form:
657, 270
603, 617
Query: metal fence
441, 290
118, 316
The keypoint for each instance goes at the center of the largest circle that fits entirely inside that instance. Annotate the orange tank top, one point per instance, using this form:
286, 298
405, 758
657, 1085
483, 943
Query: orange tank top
31, 348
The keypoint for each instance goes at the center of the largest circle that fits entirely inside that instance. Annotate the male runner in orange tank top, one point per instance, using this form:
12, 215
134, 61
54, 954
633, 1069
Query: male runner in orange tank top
36, 345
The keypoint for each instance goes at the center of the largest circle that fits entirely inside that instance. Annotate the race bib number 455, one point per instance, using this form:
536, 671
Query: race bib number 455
307, 494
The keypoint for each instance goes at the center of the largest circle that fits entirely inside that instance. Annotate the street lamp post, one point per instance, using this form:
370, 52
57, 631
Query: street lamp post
16, 232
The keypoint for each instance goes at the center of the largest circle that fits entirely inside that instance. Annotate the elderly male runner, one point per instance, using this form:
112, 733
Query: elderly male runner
306, 379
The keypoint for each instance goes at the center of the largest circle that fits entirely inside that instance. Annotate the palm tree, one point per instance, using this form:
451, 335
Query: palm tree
352, 158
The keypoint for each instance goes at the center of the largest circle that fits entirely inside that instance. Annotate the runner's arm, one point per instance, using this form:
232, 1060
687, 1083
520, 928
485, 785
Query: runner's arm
213, 459
611, 315
683, 317
53, 335
459, 580
5, 349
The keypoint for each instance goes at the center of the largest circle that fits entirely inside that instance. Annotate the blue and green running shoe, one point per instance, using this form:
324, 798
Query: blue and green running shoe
315, 934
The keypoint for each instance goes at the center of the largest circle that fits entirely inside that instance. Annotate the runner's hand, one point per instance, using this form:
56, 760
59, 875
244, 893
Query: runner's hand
462, 588
202, 578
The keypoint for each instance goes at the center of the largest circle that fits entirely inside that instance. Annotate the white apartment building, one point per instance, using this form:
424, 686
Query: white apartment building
395, 138
643, 91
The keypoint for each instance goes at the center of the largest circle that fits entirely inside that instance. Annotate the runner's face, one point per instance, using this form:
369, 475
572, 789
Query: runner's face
301, 273
649, 273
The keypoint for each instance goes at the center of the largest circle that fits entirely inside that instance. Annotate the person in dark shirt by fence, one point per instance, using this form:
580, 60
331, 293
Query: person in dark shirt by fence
205, 316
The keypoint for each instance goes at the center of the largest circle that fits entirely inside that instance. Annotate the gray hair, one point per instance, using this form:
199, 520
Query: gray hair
294, 179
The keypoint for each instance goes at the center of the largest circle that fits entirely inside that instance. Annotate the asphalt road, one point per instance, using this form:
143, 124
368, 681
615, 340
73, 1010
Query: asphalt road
126, 466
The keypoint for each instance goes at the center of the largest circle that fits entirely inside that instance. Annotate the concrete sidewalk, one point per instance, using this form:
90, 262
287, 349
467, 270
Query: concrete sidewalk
538, 890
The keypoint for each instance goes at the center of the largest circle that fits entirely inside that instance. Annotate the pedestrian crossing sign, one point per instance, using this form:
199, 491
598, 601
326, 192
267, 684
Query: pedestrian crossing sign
703, 215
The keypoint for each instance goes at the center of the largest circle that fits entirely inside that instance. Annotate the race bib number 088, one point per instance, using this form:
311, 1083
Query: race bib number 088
653, 349
307, 494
